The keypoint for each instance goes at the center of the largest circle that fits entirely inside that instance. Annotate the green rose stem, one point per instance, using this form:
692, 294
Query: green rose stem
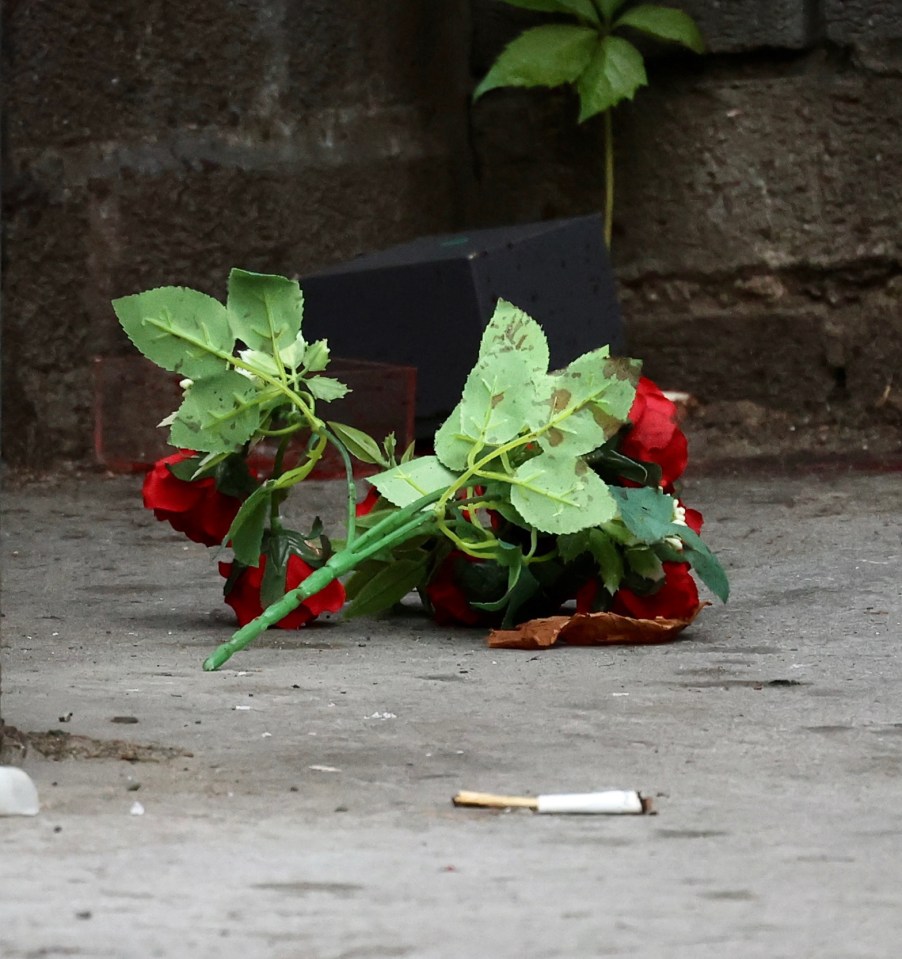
608, 179
397, 527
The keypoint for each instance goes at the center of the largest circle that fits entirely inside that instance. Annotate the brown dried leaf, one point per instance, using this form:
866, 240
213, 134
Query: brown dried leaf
589, 629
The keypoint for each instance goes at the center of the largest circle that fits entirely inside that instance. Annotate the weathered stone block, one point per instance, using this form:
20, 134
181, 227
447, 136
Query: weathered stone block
91, 70
872, 27
799, 169
728, 26
731, 26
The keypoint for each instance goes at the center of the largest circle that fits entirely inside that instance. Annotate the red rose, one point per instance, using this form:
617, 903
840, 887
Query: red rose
676, 598
653, 435
244, 596
586, 595
694, 520
196, 508
368, 502
448, 600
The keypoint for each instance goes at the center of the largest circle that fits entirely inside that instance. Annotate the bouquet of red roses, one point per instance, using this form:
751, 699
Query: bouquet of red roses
544, 486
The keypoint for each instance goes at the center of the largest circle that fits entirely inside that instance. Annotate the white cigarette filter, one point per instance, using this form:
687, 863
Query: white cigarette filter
18, 795
609, 802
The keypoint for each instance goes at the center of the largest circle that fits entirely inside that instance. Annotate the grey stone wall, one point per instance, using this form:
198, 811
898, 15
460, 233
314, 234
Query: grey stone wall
759, 198
759, 191
162, 142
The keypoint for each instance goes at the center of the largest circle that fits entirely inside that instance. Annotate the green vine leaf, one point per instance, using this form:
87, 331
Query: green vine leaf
579, 8
218, 414
664, 23
610, 7
181, 330
546, 56
560, 494
266, 310
615, 73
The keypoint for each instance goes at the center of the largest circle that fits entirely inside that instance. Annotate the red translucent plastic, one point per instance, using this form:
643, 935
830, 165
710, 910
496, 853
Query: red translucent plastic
132, 395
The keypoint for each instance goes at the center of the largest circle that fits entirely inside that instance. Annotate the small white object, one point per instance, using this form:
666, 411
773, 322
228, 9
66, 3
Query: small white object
18, 794
137, 809
611, 801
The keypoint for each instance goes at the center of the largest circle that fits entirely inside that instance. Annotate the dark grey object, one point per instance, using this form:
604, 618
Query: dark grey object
426, 303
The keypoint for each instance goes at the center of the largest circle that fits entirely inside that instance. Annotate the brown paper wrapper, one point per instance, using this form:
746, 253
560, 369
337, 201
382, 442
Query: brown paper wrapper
590, 629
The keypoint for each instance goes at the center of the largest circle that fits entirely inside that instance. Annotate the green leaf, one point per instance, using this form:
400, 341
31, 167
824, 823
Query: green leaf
643, 561
560, 494
326, 388
499, 398
615, 73
611, 465
388, 586
187, 470
647, 513
277, 552
266, 310
610, 7
246, 531
579, 8
295, 354
233, 477
586, 403
545, 56
664, 23
218, 414
316, 356
608, 558
452, 444
511, 330
408, 482
572, 545
306, 546
705, 563
179, 329
359, 444
519, 592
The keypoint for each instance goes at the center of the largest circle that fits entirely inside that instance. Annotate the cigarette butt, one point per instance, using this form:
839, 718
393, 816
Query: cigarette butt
608, 802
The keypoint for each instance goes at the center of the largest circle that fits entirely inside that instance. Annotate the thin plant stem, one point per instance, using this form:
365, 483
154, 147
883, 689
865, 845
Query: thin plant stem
608, 177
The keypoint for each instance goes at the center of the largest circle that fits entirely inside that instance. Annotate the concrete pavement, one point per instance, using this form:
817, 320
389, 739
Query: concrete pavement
296, 804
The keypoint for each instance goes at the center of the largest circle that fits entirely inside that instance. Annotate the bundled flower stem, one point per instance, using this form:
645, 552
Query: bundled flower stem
397, 527
544, 486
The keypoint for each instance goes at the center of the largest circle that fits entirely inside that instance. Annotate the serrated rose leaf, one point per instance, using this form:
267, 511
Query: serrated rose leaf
266, 310
218, 414
560, 494
407, 483
181, 330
